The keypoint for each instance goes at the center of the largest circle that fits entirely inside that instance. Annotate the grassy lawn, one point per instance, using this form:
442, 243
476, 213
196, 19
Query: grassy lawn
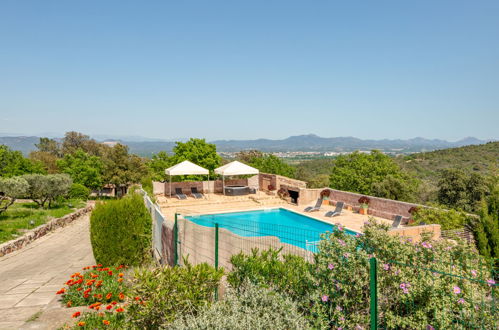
16, 219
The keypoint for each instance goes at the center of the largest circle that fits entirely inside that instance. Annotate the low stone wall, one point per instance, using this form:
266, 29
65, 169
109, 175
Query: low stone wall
41, 230
380, 207
163, 188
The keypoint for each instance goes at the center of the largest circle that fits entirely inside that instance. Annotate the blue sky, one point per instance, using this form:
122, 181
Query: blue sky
251, 69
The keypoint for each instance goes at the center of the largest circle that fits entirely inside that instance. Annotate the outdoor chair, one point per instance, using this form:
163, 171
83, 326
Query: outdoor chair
196, 193
337, 210
317, 206
180, 194
397, 221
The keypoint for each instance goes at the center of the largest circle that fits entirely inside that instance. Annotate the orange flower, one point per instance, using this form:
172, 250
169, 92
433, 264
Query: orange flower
75, 315
114, 303
99, 265
120, 280
109, 295
137, 298
97, 308
70, 282
61, 291
87, 291
110, 273
98, 296
121, 274
121, 296
94, 275
81, 324
69, 304
98, 284
109, 307
119, 310
105, 322
120, 266
78, 289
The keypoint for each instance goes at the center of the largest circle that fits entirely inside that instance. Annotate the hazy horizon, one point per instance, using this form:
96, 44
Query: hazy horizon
249, 70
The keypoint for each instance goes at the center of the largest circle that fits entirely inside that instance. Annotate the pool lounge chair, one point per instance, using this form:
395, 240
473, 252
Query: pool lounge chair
317, 206
397, 221
337, 210
196, 193
180, 194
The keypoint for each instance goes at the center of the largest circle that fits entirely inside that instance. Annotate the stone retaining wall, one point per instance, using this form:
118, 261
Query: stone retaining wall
42, 230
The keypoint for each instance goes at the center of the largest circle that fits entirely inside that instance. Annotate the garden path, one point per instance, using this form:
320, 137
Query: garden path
30, 277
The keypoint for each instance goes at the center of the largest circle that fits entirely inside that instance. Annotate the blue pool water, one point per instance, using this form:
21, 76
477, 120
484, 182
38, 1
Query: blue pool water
290, 227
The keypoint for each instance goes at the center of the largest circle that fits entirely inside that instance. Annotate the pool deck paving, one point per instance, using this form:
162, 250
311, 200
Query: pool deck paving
30, 277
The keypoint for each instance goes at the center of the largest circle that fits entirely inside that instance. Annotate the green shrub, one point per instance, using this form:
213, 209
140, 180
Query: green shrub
447, 219
250, 307
165, 292
120, 232
289, 274
78, 191
430, 283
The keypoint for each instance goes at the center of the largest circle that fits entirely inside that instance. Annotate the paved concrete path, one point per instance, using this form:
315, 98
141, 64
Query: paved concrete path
30, 277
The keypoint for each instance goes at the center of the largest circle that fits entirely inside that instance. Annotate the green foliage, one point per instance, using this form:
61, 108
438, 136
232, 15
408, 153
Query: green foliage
92, 321
273, 165
157, 165
447, 219
78, 191
74, 141
481, 159
122, 168
459, 190
24, 216
13, 163
250, 307
315, 172
83, 169
197, 151
11, 189
486, 229
289, 274
49, 146
45, 189
371, 174
168, 291
414, 288
120, 231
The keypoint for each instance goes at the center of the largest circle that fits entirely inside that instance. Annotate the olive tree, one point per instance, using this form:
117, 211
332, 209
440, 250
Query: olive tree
45, 189
10, 190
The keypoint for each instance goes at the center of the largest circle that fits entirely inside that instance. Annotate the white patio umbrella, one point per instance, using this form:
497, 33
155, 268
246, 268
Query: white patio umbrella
186, 168
235, 168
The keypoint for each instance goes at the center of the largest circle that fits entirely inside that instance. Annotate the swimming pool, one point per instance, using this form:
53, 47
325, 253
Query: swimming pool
290, 227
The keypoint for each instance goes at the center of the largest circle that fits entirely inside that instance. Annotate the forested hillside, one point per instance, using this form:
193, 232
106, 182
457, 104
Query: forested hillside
482, 159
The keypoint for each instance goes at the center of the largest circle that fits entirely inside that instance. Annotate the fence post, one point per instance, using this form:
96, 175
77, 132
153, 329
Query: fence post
175, 241
216, 256
216, 245
373, 284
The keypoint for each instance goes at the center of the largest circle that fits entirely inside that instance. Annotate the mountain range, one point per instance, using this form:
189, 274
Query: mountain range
146, 147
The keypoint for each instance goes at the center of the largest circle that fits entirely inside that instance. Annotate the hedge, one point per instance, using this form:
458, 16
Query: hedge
120, 232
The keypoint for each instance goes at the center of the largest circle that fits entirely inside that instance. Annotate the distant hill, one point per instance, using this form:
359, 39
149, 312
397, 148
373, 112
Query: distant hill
313, 142
483, 158
146, 147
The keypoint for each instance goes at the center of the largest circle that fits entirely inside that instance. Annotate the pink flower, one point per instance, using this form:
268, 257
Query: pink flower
346, 255
386, 266
339, 227
429, 327
342, 242
461, 301
324, 298
357, 235
457, 290
474, 273
491, 282
339, 309
330, 266
426, 245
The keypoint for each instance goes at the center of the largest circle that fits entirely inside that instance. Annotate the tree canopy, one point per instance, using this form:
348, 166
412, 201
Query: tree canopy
370, 174
13, 163
197, 151
83, 168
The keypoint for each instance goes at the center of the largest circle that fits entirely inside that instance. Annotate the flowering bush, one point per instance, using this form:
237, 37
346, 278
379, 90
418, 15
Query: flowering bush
94, 287
430, 283
109, 319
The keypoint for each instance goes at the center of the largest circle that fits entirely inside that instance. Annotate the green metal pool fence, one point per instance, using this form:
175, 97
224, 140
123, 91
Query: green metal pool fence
395, 295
